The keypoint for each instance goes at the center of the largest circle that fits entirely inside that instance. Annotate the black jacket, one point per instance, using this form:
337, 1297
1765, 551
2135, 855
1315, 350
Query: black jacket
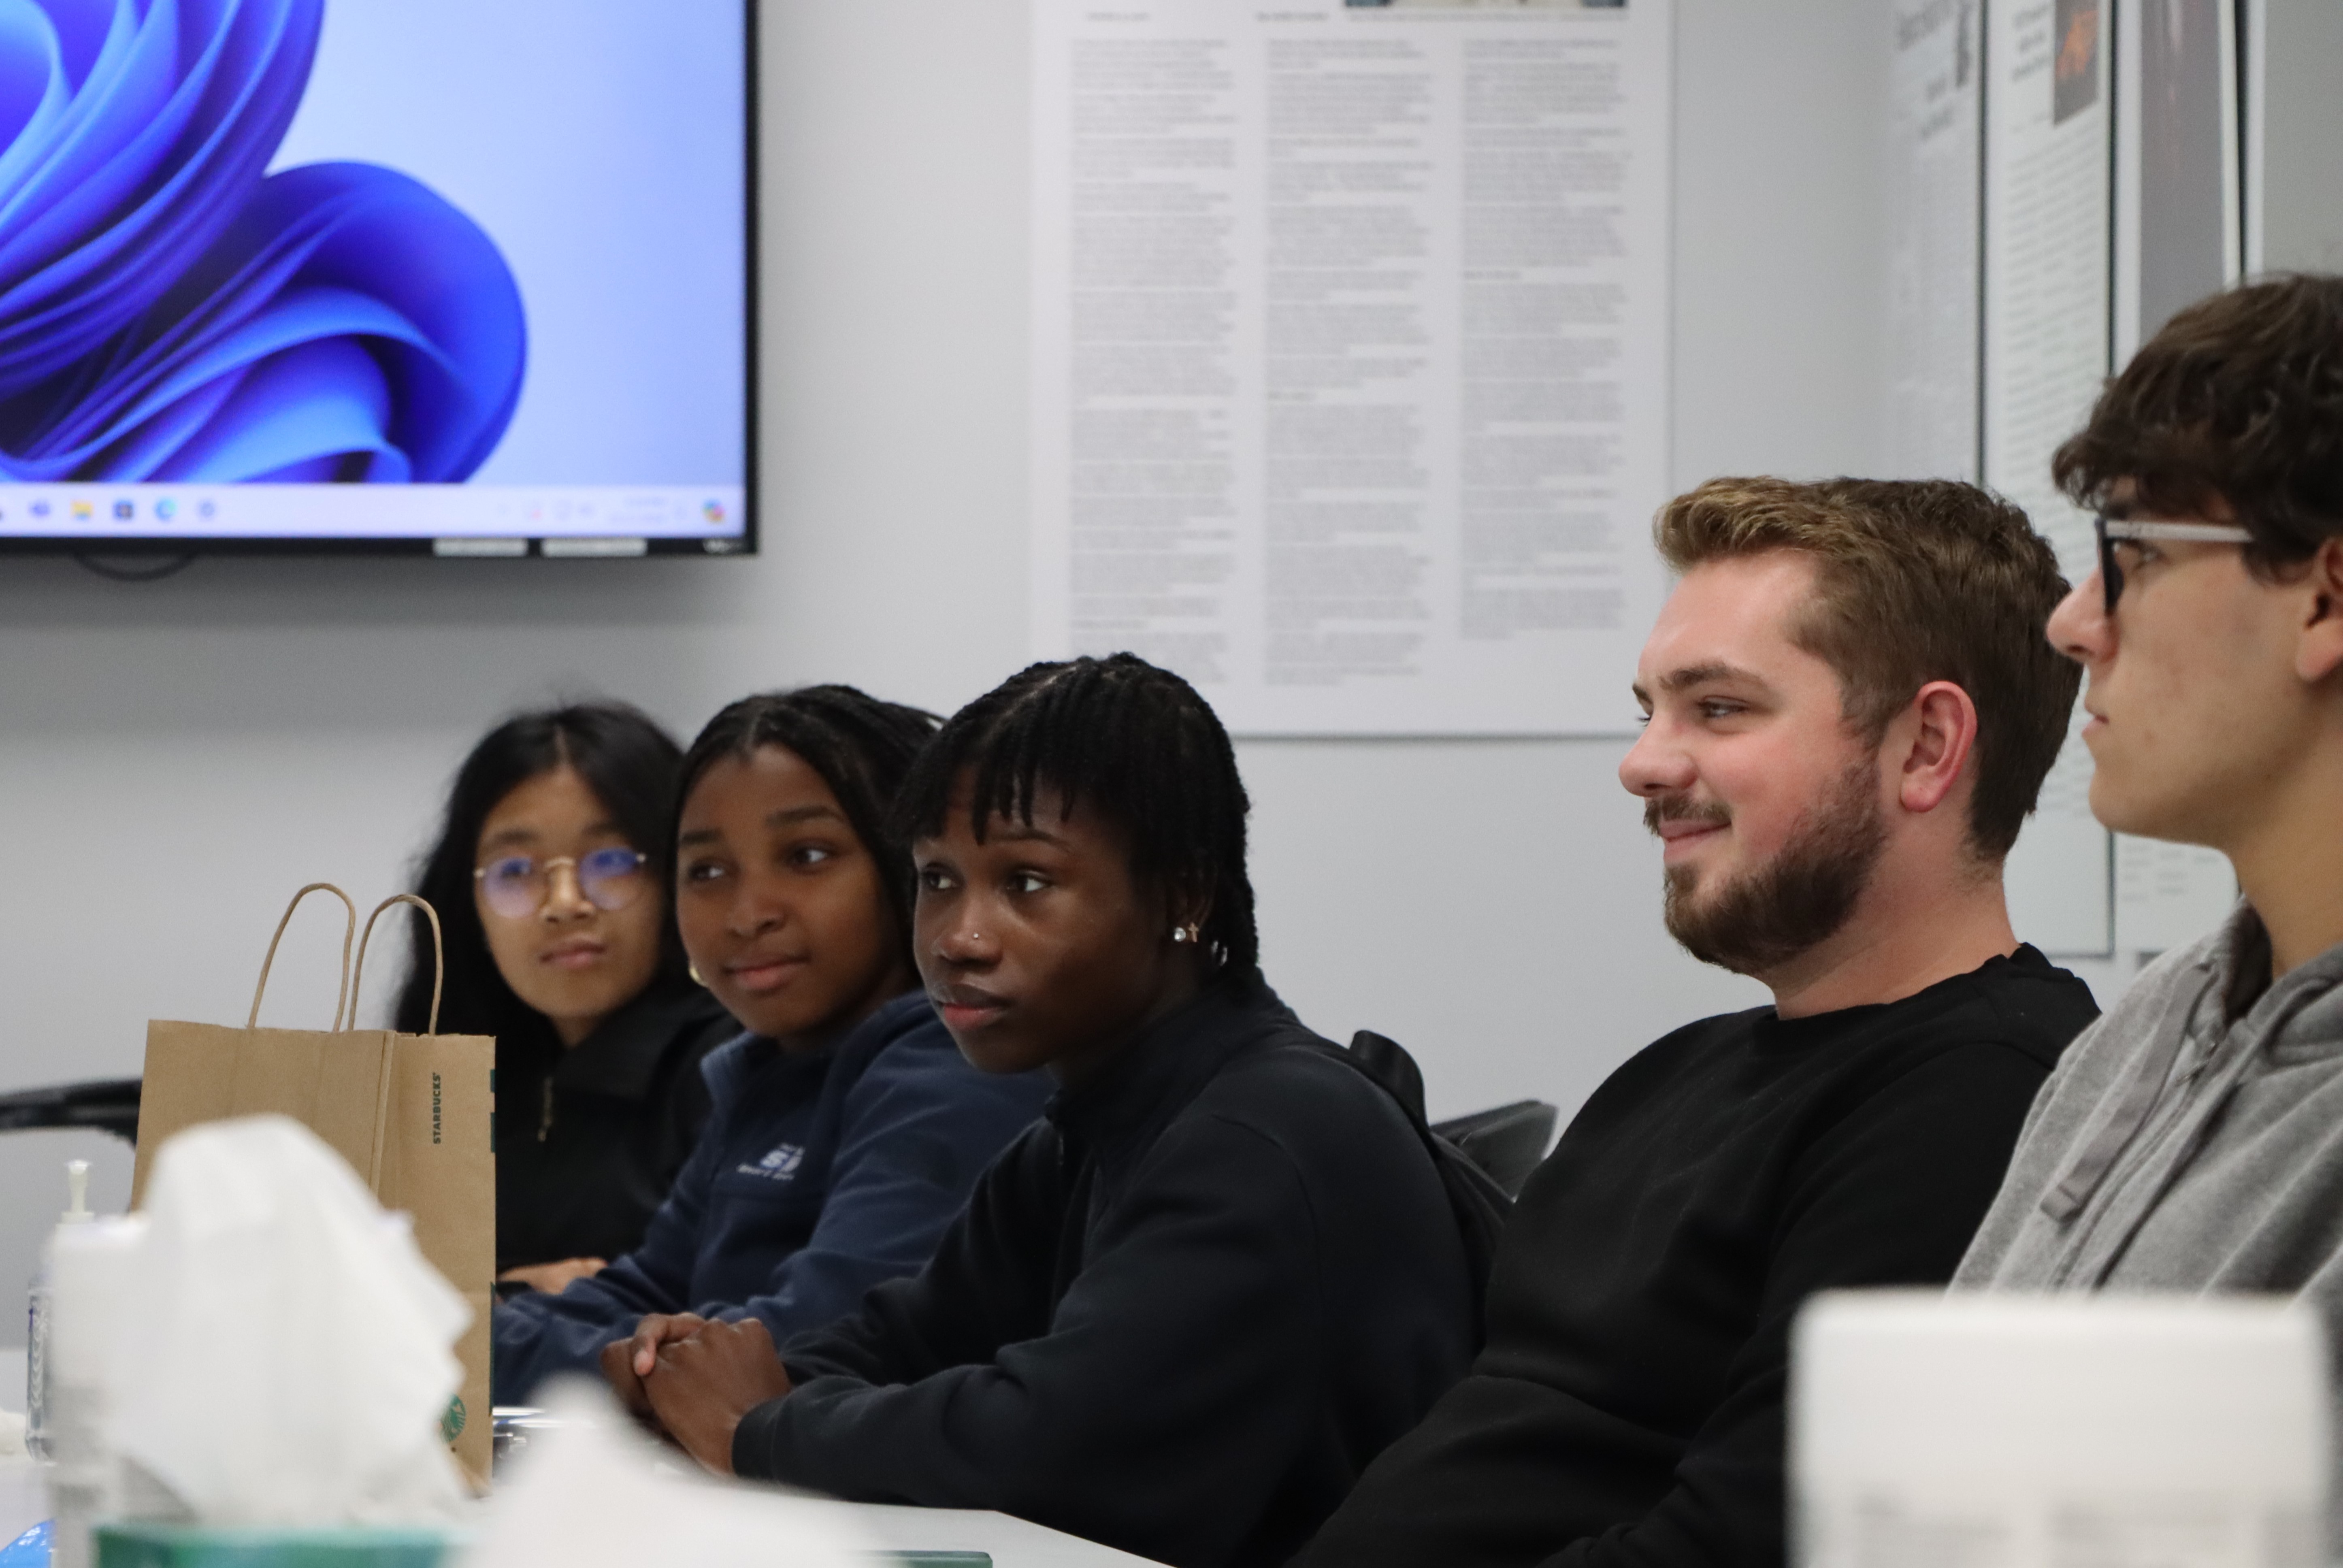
1628, 1408
590, 1139
1177, 1316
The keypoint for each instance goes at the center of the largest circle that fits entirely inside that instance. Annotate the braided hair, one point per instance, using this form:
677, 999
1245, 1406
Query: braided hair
862, 746
1118, 736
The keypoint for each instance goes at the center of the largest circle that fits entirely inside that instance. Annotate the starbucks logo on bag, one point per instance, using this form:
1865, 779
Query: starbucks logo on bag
451, 1420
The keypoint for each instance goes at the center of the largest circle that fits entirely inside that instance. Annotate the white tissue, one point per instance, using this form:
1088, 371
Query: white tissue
290, 1354
24, 1497
596, 1494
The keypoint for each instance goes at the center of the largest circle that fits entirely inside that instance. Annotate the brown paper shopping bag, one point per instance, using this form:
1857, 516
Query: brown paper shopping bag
410, 1112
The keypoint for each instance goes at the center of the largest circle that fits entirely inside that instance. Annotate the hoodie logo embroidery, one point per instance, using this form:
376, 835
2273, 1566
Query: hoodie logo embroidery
781, 1165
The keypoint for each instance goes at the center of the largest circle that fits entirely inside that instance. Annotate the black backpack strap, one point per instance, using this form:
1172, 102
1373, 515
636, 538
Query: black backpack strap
1478, 1204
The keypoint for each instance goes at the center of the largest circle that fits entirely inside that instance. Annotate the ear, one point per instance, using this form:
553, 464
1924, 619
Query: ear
2319, 651
1186, 904
1939, 732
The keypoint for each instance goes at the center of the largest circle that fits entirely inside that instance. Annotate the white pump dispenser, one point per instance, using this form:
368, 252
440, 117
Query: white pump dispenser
41, 1299
91, 1264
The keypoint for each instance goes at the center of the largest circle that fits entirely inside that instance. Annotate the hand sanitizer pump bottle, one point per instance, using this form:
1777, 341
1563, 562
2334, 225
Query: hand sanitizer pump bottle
37, 1435
93, 1266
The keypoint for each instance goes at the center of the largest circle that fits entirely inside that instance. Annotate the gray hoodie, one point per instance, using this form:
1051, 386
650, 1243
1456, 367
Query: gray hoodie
2191, 1139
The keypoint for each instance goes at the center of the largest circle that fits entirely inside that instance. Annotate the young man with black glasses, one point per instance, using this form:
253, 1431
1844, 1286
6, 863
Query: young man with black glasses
2193, 1140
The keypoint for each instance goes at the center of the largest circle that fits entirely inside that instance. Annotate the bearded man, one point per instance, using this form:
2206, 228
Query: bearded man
1850, 708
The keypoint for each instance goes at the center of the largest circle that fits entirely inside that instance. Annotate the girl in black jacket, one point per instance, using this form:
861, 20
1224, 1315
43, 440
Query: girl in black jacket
1180, 1313
551, 877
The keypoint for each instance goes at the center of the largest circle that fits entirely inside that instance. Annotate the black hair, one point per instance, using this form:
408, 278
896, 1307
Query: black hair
862, 746
630, 763
1119, 735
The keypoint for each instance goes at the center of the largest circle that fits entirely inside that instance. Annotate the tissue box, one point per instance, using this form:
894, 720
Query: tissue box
130, 1545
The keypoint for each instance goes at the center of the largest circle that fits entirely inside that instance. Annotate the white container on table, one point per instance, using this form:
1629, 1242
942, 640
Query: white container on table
1980, 1431
90, 1279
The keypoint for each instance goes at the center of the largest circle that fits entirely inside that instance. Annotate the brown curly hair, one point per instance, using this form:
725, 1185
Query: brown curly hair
1918, 580
2240, 399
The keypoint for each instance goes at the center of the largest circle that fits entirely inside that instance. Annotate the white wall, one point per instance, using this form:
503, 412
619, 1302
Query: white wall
2294, 62
175, 758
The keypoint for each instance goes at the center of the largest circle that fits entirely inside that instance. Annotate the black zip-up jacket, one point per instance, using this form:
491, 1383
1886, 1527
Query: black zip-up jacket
590, 1139
1179, 1315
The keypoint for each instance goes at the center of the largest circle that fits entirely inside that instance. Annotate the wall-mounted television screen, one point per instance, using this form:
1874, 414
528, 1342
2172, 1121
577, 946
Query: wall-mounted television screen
471, 276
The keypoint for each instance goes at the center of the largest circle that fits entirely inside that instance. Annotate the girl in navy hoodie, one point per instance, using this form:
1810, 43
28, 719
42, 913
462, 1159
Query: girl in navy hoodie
846, 1128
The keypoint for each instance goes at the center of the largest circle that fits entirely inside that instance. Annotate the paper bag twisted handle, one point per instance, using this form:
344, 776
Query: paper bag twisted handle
350, 924
350, 1020
438, 960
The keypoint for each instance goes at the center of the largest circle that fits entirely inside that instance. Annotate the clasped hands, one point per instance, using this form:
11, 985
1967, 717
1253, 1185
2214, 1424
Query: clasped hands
692, 1379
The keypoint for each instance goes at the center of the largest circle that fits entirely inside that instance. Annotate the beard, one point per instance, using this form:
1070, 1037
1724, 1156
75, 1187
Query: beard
1798, 899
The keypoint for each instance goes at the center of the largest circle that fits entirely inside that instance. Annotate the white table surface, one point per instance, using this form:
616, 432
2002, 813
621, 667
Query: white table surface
1013, 1543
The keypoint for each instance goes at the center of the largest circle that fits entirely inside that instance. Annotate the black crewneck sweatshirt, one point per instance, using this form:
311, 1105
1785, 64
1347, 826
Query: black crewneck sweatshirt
1628, 1408
1177, 1316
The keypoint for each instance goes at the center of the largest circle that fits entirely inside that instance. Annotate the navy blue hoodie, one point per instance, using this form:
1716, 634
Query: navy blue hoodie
817, 1177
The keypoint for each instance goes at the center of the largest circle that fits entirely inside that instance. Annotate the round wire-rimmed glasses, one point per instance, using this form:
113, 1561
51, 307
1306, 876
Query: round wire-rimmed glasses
516, 886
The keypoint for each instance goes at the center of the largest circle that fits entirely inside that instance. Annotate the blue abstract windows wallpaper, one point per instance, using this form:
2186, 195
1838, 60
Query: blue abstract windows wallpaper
171, 311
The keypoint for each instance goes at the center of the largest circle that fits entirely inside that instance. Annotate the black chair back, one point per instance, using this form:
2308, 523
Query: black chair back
108, 1104
1507, 1141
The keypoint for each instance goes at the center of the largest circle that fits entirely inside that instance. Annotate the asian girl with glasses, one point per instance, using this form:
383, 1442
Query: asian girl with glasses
551, 879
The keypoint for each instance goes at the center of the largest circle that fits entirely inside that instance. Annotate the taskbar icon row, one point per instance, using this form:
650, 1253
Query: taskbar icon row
155, 511
119, 510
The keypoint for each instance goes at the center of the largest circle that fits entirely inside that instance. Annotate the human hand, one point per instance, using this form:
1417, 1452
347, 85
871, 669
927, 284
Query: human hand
702, 1385
626, 1363
554, 1278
